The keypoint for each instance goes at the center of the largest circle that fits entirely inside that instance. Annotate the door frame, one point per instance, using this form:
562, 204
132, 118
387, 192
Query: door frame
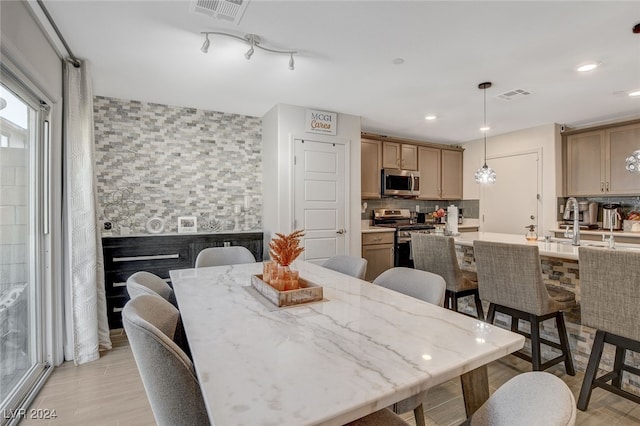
540, 192
347, 181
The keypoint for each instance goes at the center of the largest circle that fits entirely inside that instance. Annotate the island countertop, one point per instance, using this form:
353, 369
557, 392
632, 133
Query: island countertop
556, 247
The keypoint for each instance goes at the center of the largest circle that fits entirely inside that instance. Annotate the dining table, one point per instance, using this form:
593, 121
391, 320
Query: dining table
358, 350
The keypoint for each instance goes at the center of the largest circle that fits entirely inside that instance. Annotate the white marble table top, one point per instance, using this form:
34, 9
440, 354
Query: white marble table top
554, 248
361, 349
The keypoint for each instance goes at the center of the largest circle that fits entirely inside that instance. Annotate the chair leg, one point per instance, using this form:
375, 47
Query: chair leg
535, 342
515, 322
479, 310
564, 343
617, 367
491, 314
591, 371
447, 299
454, 303
418, 413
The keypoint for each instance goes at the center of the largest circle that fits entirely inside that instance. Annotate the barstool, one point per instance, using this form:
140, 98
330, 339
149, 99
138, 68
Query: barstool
610, 295
437, 254
510, 279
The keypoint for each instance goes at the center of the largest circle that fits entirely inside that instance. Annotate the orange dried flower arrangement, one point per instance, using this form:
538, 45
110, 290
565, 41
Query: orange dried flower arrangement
286, 248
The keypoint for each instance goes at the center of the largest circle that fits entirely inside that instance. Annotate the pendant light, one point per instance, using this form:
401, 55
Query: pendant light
633, 161
485, 174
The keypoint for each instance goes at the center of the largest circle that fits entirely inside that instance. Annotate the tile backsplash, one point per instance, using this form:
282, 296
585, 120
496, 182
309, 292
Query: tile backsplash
470, 208
156, 160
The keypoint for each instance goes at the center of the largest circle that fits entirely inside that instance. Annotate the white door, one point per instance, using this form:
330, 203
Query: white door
320, 198
513, 201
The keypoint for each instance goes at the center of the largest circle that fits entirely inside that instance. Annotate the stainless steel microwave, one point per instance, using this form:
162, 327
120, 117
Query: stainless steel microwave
400, 183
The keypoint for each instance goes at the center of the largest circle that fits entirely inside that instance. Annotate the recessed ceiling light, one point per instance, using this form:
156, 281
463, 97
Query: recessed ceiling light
430, 117
485, 129
588, 67
398, 61
635, 93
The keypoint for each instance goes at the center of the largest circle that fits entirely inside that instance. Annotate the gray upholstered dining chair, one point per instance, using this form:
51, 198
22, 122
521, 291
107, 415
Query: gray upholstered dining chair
529, 398
609, 300
167, 373
144, 282
422, 285
349, 265
219, 256
510, 279
437, 254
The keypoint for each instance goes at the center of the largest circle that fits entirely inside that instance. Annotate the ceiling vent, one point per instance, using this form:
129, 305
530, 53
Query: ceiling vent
227, 10
513, 94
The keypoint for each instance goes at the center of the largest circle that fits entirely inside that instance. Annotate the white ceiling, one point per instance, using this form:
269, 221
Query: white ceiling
150, 51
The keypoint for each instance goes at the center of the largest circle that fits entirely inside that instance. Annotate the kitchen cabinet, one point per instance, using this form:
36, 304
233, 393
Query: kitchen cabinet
397, 155
371, 160
440, 173
158, 254
595, 161
377, 248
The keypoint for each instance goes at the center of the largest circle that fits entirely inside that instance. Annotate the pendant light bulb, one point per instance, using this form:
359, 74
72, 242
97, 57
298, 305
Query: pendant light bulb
205, 45
485, 174
291, 64
249, 53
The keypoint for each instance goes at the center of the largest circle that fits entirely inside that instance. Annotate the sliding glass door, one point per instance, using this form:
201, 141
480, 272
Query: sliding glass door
23, 229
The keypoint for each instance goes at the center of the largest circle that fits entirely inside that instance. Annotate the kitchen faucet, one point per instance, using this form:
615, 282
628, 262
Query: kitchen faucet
575, 234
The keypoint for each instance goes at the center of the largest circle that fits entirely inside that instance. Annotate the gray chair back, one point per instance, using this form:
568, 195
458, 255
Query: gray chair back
147, 283
167, 373
219, 256
349, 265
610, 290
437, 254
510, 275
422, 285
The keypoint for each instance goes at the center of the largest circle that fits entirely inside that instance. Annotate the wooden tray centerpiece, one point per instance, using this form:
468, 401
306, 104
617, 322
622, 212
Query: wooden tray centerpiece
278, 283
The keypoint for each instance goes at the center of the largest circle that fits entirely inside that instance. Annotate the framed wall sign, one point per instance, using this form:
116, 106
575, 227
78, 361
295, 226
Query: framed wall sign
322, 122
187, 224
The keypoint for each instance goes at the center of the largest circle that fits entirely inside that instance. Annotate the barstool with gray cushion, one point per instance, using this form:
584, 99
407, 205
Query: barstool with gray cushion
610, 296
510, 279
535, 398
219, 256
167, 373
147, 283
349, 265
422, 285
437, 254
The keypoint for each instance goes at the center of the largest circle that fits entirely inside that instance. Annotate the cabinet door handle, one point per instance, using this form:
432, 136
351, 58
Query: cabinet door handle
155, 257
607, 186
601, 186
120, 284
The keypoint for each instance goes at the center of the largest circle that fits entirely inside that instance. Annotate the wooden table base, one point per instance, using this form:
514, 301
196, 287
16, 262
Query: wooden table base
475, 389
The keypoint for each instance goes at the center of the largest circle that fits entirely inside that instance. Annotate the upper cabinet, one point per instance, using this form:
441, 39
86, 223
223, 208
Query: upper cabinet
399, 156
595, 161
440, 173
370, 169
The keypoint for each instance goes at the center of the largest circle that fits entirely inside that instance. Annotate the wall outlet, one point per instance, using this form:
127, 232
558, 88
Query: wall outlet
107, 225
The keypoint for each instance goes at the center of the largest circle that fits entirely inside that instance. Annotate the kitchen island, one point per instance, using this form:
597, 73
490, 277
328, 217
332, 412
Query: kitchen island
560, 268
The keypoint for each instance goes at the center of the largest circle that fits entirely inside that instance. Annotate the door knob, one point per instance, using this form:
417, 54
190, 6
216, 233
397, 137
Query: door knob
341, 231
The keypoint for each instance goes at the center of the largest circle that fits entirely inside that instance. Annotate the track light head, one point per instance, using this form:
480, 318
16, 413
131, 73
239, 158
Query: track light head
291, 64
205, 45
249, 53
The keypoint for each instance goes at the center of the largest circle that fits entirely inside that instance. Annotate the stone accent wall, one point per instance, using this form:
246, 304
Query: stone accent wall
166, 161
562, 273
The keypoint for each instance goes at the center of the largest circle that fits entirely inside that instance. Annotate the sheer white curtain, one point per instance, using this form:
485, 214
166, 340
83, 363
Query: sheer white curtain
87, 330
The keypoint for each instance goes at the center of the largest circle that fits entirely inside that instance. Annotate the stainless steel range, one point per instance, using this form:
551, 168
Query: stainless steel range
404, 223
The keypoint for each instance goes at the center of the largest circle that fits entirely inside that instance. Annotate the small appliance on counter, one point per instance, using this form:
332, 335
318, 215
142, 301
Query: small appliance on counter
611, 218
587, 215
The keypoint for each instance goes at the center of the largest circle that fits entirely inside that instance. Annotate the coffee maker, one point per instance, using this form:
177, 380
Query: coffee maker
587, 213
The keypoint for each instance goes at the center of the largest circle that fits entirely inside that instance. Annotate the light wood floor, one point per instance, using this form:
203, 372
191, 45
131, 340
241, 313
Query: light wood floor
109, 392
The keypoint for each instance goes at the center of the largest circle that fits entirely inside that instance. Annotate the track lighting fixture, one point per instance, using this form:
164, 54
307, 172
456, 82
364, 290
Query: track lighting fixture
253, 41
205, 45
